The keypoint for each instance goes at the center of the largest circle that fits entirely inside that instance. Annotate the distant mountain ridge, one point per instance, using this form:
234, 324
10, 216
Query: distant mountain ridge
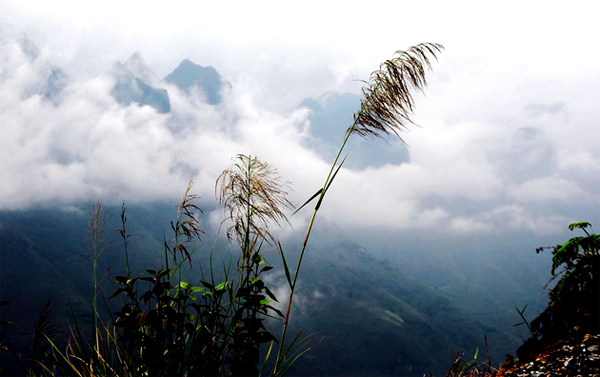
136, 83
52, 79
132, 85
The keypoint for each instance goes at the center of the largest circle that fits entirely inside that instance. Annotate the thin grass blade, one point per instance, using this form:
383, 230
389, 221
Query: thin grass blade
329, 183
285, 265
308, 201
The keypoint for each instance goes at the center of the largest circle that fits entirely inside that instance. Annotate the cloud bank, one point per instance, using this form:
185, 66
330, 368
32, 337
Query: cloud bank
501, 147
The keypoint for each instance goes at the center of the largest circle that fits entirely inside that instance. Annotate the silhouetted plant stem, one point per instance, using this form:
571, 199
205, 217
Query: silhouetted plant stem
253, 195
123, 232
385, 109
96, 228
321, 195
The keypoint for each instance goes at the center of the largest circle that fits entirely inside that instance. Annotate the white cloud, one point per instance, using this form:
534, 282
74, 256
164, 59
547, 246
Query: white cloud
547, 190
508, 123
509, 218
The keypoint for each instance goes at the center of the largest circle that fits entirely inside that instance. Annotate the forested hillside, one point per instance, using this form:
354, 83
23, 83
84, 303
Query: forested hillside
364, 313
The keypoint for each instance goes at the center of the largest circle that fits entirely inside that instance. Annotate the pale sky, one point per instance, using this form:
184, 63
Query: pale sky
509, 135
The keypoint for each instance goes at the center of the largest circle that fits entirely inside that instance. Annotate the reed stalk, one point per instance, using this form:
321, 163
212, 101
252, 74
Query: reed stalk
386, 109
97, 243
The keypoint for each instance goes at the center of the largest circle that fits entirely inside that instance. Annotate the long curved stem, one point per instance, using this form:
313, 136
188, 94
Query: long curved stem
323, 191
385, 110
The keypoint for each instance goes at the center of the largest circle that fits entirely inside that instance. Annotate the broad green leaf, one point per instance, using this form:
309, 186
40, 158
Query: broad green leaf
254, 280
270, 294
221, 286
580, 225
116, 293
279, 313
207, 285
266, 268
285, 265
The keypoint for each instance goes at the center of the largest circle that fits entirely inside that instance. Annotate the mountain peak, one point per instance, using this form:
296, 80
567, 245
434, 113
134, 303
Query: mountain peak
187, 63
133, 81
189, 75
138, 67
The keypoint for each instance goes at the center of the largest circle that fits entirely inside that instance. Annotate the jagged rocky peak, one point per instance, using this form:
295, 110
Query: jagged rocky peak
54, 84
133, 83
10, 34
138, 68
135, 67
189, 75
29, 48
47, 80
118, 69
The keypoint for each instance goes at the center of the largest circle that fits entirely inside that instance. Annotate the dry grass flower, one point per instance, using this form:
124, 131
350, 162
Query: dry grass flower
388, 102
253, 195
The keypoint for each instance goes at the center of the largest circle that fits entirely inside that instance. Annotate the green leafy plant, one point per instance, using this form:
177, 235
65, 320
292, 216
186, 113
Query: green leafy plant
215, 327
253, 195
471, 368
575, 298
525, 322
167, 326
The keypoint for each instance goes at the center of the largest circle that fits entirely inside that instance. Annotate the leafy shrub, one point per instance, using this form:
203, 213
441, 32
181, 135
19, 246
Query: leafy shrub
214, 327
575, 298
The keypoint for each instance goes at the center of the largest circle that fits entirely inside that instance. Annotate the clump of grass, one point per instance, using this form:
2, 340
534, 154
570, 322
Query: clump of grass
253, 196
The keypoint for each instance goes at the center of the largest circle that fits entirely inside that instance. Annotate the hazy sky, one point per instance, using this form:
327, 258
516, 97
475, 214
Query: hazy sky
509, 135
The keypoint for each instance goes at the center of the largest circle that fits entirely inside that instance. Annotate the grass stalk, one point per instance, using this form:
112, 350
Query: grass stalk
97, 244
125, 236
385, 109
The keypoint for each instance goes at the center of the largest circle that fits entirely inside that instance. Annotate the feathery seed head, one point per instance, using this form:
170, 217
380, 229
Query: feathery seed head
388, 102
252, 195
